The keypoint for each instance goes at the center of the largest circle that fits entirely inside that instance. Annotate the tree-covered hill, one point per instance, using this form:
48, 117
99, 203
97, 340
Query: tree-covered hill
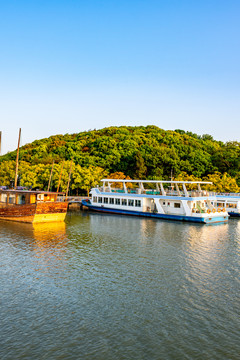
137, 152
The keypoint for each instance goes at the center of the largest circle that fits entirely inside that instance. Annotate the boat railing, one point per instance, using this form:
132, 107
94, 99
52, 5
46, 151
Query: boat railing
198, 193
229, 194
168, 192
130, 191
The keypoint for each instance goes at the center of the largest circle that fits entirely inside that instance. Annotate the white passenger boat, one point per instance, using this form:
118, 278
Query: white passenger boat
165, 199
230, 202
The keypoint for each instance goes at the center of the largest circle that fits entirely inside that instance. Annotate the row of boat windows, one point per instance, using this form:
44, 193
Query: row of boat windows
13, 199
232, 205
113, 201
21, 199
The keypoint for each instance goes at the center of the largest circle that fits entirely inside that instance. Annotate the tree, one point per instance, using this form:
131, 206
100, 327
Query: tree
7, 172
222, 183
86, 178
141, 169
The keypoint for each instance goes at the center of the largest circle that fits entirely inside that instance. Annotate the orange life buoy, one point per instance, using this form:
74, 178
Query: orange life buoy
213, 210
208, 211
219, 210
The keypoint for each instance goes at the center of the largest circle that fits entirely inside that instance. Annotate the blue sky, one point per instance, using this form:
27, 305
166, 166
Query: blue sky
69, 66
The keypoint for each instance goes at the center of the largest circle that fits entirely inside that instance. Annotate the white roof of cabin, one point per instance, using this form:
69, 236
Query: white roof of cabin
156, 181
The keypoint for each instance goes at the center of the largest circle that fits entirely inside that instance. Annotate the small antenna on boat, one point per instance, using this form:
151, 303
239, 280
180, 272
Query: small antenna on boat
16, 172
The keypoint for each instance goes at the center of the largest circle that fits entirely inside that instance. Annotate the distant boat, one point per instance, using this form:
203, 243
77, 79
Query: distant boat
31, 206
164, 200
230, 202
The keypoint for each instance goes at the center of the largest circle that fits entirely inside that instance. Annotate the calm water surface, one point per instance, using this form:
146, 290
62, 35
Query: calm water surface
114, 287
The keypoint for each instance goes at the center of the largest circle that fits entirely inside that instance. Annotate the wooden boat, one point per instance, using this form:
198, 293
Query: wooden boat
173, 203
31, 206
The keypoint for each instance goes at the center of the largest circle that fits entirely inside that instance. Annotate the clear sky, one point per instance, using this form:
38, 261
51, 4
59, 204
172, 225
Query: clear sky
68, 66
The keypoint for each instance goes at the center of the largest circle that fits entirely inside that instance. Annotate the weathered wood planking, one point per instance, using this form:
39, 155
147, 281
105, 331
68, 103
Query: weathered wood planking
51, 207
40, 212
12, 210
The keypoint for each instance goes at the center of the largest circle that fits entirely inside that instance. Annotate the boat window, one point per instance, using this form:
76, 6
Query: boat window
32, 199
124, 202
4, 198
100, 200
164, 203
21, 199
138, 203
177, 205
46, 197
232, 205
12, 199
95, 199
111, 201
105, 200
168, 204
130, 202
117, 201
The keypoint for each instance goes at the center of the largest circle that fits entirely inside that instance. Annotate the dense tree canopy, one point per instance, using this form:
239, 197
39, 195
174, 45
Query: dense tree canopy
137, 152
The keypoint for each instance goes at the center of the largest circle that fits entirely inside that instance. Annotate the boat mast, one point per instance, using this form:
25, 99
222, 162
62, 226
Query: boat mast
59, 181
0, 142
49, 182
16, 172
69, 178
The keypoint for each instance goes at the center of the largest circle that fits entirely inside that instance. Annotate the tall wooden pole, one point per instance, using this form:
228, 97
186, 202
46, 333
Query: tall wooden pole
60, 177
69, 178
16, 172
50, 179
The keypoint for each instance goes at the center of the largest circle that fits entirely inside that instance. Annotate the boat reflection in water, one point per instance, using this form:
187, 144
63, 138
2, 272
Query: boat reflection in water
205, 254
41, 236
49, 235
50, 246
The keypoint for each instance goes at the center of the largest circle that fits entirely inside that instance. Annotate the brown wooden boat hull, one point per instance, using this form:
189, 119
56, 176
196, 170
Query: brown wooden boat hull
34, 213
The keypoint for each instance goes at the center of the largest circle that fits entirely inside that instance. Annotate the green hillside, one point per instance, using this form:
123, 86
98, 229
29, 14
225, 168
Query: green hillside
137, 152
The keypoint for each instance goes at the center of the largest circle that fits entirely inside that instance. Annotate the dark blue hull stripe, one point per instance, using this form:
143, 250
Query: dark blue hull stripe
233, 214
153, 215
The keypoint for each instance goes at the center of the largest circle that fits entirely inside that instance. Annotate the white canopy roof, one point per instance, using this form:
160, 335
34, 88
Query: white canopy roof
156, 181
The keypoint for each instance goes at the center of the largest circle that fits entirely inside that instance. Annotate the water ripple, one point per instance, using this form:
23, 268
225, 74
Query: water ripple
115, 287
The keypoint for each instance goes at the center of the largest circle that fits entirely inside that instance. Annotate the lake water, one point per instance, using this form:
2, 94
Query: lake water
115, 287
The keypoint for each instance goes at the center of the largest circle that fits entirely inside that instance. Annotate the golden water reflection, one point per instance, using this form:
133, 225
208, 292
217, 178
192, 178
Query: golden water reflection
50, 235
50, 246
35, 236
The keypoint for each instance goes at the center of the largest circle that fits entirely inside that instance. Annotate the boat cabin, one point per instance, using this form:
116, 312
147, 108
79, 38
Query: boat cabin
10, 197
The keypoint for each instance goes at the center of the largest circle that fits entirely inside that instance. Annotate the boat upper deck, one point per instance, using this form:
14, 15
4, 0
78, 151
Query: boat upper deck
156, 188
